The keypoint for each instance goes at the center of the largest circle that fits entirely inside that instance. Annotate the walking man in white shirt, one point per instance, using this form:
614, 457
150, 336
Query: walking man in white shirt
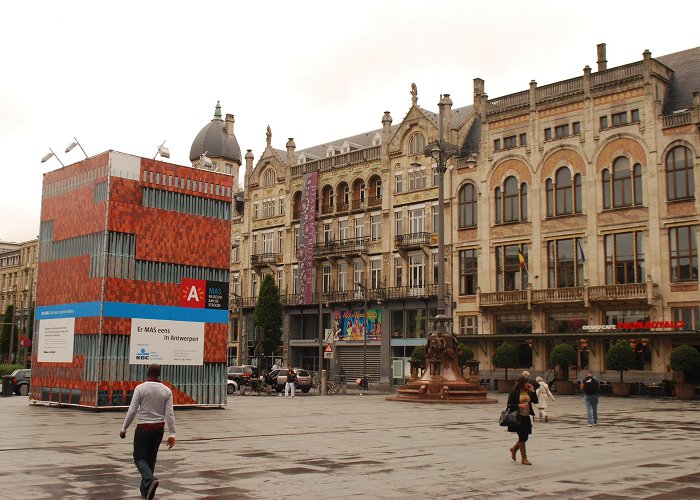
152, 405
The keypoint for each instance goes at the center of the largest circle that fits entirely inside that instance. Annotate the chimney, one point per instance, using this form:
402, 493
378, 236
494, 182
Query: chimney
229, 124
249, 161
602, 61
290, 151
446, 115
479, 97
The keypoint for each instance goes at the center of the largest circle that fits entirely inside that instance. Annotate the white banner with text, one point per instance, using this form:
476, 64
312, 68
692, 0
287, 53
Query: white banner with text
166, 342
56, 340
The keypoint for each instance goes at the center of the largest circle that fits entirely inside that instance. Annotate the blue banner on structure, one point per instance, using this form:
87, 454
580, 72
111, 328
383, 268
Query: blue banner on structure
126, 310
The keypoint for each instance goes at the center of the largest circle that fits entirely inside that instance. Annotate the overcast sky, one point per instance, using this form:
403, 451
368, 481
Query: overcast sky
129, 75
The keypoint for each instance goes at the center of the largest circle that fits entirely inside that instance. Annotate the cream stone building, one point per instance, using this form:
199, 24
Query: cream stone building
18, 263
570, 216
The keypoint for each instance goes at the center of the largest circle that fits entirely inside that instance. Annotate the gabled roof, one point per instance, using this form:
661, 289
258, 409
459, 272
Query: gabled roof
685, 79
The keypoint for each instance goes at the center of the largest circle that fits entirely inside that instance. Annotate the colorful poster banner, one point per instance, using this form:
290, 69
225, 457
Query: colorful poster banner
166, 342
350, 325
305, 251
56, 340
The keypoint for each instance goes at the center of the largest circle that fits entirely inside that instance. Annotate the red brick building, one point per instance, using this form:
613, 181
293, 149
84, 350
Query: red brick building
133, 269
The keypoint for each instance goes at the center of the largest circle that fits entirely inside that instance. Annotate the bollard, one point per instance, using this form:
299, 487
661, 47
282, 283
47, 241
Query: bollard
323, 383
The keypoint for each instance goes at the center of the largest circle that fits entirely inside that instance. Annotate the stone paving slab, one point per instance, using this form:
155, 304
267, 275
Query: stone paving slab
353, 446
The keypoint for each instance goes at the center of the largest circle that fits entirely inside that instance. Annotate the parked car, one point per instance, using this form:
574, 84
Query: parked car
21, 380
231, 386
277, 379
241, 374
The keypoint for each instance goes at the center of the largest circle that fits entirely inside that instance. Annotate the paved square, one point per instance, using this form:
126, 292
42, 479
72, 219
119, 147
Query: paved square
355, 446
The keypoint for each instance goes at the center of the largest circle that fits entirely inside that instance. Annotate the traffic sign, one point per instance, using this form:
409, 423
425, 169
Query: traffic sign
328, 355
328, 348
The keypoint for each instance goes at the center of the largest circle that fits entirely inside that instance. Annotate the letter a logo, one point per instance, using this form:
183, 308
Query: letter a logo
192, 293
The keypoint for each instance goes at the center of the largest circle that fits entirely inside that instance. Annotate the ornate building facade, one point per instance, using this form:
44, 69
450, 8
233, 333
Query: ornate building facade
570, 216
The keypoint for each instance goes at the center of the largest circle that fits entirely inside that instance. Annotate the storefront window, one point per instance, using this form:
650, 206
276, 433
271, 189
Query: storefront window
513, 323
397, 325
416, 324
626, 316
566, 322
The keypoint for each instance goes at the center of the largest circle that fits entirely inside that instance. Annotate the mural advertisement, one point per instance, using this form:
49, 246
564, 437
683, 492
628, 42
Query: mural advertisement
56, 340
166, 342
305, 251
350, 325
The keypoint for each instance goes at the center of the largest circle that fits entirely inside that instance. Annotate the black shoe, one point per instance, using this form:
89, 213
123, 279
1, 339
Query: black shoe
152, 489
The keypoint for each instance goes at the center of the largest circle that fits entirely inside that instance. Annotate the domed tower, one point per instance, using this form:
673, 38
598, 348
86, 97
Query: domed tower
217, 142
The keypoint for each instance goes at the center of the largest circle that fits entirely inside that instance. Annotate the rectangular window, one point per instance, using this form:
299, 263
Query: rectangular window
416, 221
468, 272
510, 142
690, 316
564, 263
343, 230
398, 216
497, 145
436, 217
398, 271
416, 271
376, 227
511, 274
279, 279
548, 134
375, 273
342, 276
359, 228
561, 131
624, 258
416, 323
523, 139
280, 241
327, 235
619, 119
684, 254
256, 210
468, 325
399, 183
577, 128
603, 122
327, 278
634, 116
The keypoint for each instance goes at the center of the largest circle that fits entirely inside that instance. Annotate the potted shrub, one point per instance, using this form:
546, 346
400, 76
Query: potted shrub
417, 361
564, 356
620, 357
506, 357
464, 355
686, 360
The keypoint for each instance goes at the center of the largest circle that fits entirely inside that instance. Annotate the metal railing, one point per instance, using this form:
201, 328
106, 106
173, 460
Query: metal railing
412, 239
374, 201
347, 246
263, 259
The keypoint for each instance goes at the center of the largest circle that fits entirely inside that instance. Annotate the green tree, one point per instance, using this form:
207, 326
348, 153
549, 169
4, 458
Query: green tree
268, 315
505, 356
686, 359
564, 356
6, 327
620, 357
419, 354
464, 355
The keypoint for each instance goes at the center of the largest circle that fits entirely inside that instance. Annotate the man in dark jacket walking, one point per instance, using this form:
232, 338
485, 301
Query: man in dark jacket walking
589, 387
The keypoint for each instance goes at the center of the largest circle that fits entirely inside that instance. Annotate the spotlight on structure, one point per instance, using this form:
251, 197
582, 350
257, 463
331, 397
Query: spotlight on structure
50, 155
162, 151
73, 144
206, 161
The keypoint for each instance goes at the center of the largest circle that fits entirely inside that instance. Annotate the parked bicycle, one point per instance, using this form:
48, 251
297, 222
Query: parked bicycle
365, 384
259, 386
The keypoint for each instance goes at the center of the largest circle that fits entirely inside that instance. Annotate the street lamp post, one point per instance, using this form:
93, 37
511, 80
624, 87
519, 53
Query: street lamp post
364, 345
12, 321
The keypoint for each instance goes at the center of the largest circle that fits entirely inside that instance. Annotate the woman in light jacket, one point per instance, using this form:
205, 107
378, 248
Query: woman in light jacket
543, 396
521, 398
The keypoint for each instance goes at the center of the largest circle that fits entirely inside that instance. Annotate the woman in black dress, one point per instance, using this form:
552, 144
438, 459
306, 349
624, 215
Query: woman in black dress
521, 398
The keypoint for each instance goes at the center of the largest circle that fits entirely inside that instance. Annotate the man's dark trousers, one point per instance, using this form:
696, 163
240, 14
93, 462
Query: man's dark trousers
146, 444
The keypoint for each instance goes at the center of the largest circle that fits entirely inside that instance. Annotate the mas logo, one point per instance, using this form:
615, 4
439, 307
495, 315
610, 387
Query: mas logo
143, 355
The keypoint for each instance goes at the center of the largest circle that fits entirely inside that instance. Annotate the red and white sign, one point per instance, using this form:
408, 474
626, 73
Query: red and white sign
193, 293
328, 348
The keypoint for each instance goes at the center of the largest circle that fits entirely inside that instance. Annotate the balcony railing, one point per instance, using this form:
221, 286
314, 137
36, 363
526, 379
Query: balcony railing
557, 295
295, 214
616, 75
408, 292
263, 259
632, 291
342, 207
513, 297
374, 201
677, 119
337, 161
352, 246
326, 209
358, 204
412, 240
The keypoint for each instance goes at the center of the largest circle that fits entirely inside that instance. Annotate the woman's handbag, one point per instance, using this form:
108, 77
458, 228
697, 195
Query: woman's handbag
509, 418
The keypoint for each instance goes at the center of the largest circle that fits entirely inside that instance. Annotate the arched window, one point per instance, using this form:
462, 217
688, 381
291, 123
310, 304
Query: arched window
622, 188
563, 195
680, 183
416, 144
269, 178
467, 206
511, 201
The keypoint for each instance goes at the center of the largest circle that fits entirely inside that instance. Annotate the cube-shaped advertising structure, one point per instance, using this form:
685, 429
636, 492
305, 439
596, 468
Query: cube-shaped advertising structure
134, 265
